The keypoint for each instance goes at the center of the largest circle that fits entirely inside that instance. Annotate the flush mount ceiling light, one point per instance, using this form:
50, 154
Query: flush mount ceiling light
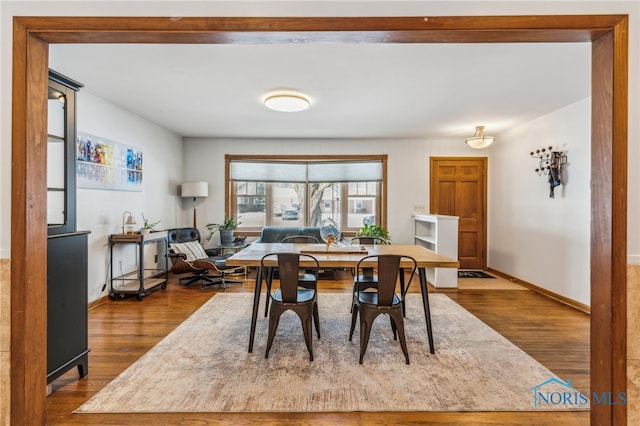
287, 102
479, 140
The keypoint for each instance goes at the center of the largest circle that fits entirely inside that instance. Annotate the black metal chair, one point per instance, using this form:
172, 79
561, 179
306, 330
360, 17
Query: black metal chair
306, 275
300, 239
369, 240
308, 239
291, 296
368, 274
307, 278
382, 299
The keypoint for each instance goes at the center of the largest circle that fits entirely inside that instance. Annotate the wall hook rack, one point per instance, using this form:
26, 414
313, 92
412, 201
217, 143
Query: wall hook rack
550, 164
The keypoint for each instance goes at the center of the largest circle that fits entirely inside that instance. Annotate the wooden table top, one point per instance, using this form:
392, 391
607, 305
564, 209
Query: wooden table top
338, 257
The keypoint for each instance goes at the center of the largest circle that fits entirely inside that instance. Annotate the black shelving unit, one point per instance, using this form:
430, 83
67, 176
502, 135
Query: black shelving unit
67, 248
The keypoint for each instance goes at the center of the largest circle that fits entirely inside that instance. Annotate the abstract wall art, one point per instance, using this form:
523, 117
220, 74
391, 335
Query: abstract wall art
105, 164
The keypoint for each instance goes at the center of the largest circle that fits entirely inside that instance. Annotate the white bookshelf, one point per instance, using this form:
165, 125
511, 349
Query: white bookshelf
438, 233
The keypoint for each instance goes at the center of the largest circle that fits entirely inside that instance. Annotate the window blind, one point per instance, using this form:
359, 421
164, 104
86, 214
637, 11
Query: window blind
345, 171
320, 171
255, 171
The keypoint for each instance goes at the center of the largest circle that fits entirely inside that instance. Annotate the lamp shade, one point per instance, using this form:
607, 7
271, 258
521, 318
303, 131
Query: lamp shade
195, 189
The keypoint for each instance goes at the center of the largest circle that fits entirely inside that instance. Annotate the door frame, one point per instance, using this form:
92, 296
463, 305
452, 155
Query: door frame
485, 173
608, 35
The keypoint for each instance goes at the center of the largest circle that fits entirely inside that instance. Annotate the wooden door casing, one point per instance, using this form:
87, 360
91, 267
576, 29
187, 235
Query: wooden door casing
458, 187
609, 38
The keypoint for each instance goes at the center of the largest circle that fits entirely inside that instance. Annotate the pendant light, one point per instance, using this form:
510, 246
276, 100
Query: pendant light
479, 140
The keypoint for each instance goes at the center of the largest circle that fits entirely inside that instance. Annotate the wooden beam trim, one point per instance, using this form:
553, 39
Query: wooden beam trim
601, 224
19, 399
28, 239
619, 211
609, 222
345, 37
320, 24
284, 30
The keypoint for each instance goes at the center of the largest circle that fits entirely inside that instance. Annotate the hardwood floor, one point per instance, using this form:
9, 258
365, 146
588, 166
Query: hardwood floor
121, 331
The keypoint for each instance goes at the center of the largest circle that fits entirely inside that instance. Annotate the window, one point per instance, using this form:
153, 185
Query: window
304, 191
251, 197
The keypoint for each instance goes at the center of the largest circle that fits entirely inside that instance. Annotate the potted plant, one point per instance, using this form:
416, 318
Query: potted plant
225, 228
147, 227
374, 231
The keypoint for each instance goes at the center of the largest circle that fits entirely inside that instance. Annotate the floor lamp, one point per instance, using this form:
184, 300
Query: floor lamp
195, 190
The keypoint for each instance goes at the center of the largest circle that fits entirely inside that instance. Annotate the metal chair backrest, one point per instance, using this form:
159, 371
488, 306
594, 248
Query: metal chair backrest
388, 266
297, 239
369, 240
288, 272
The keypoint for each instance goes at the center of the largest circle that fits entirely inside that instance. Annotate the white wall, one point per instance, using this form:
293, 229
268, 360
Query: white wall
533, 237
100, 211
408, 170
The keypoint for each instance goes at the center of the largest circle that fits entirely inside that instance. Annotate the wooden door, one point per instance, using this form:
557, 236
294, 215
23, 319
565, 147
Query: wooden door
458, 187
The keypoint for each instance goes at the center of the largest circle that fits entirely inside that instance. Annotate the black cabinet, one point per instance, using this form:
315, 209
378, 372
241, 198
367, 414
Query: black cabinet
67, 327
67, 249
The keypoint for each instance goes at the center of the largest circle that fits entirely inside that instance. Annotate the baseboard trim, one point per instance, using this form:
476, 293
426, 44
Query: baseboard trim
99, 302
548, 293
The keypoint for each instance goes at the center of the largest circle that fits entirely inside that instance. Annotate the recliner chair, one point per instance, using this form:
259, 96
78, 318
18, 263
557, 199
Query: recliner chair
187, 255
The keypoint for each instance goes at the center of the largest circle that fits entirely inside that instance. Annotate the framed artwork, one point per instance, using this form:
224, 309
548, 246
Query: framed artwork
105, 164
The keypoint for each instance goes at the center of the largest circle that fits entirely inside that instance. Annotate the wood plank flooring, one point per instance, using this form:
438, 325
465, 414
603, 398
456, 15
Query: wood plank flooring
121, 331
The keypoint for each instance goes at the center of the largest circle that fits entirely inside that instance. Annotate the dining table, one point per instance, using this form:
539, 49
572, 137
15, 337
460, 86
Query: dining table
346, 256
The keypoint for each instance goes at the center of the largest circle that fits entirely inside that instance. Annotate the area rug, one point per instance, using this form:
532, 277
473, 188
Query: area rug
473, 274
204, 366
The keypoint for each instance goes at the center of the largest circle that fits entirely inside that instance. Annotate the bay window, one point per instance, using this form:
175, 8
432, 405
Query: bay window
305, 190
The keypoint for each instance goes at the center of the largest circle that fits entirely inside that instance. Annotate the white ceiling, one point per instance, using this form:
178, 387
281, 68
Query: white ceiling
356, 90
